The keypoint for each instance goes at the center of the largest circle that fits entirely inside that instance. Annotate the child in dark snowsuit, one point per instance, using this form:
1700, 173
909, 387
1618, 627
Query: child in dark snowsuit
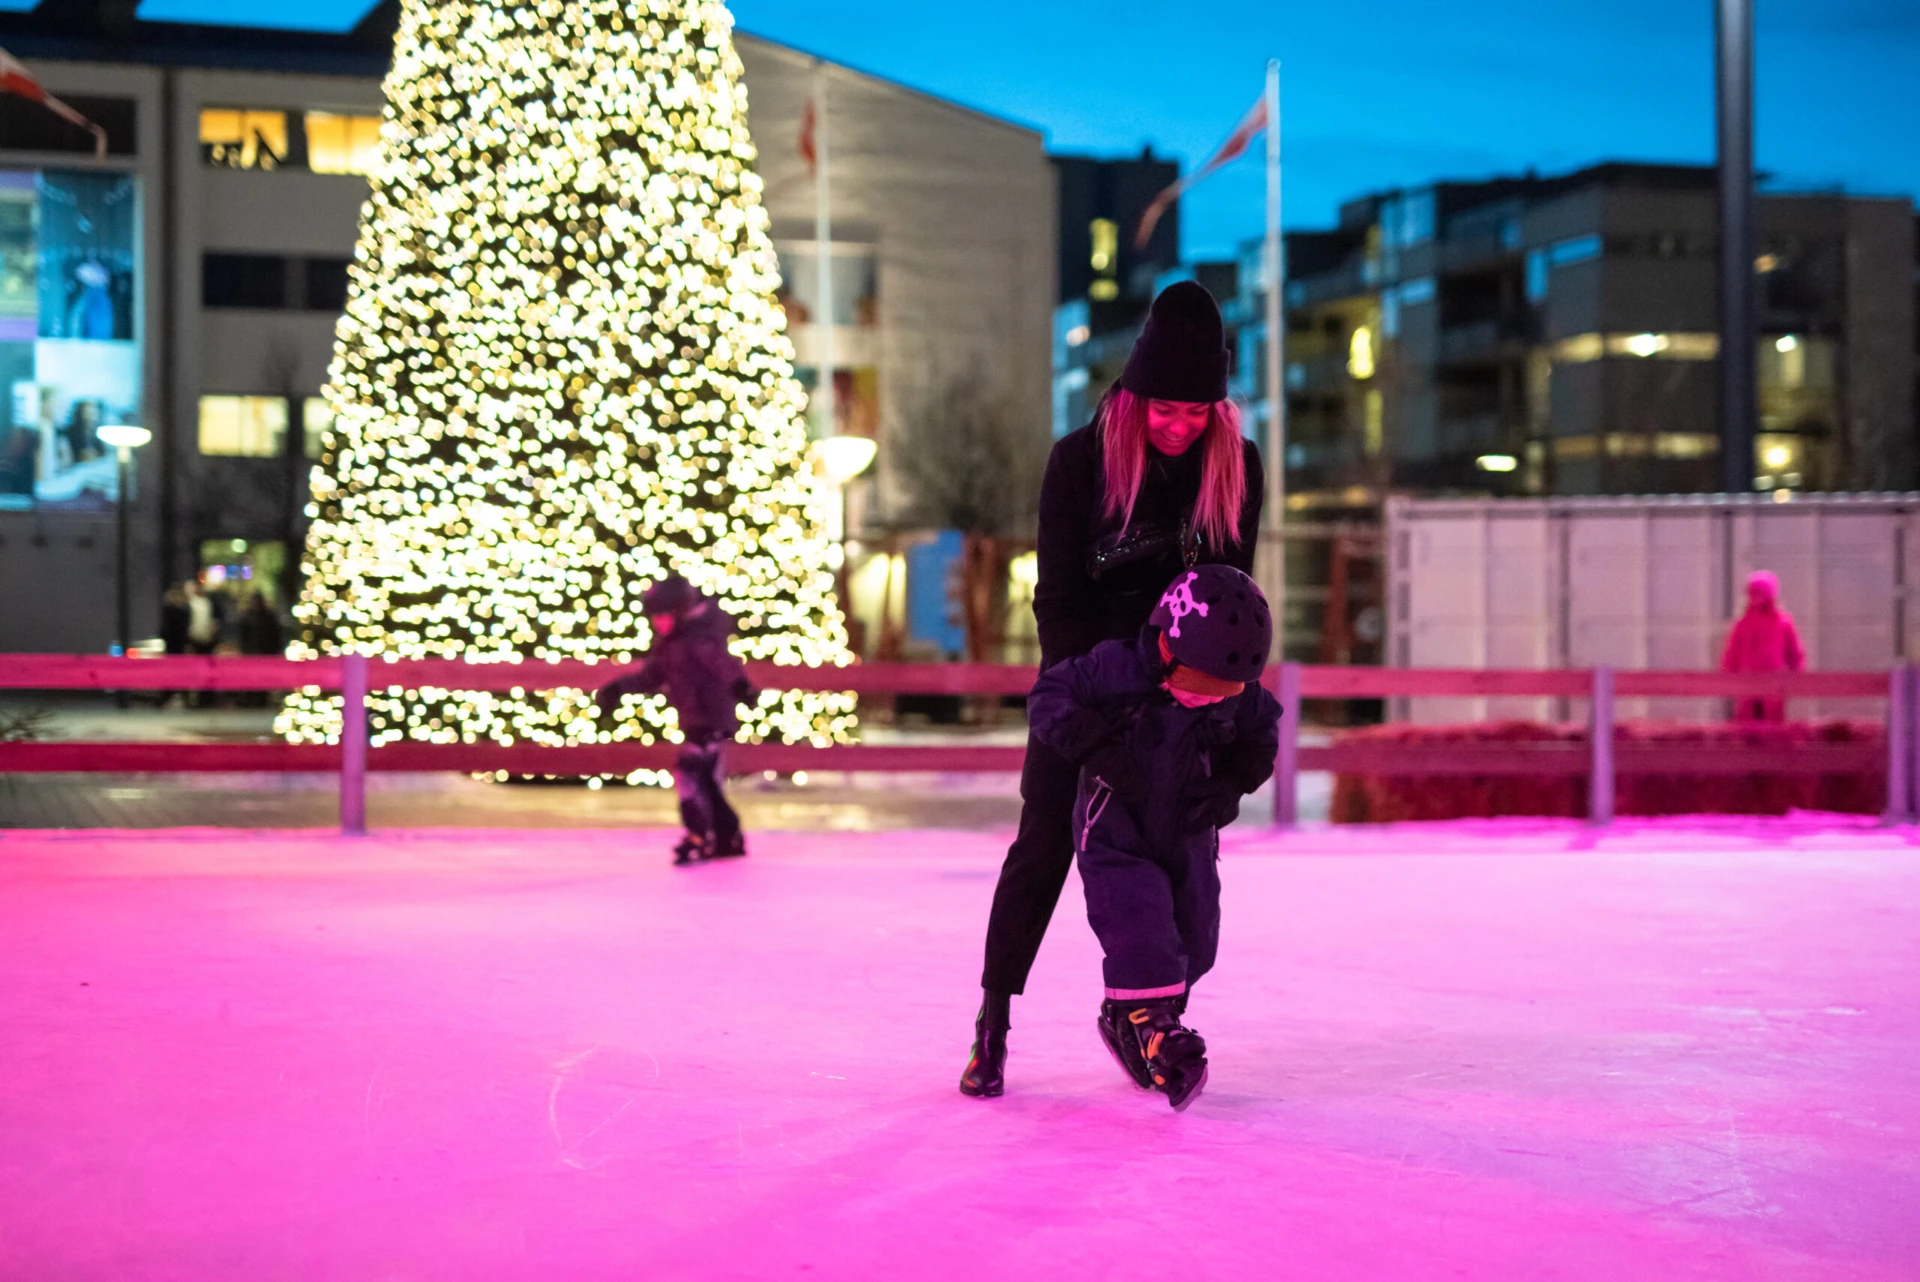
1171, 731
704, 681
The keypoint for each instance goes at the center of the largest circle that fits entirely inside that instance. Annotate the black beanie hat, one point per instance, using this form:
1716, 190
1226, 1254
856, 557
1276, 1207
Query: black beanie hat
671, 595
1181, 354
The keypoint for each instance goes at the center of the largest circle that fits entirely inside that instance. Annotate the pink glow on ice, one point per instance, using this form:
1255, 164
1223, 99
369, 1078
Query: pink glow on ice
1486, 1050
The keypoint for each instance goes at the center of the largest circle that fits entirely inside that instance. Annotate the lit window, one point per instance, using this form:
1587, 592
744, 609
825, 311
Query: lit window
1685, 445
1104, 290
1374, 432
243, 426
1106, 246
239, 138
316, 420
1417, 291
1360, 353
1579, 349
342, 144
1496, 462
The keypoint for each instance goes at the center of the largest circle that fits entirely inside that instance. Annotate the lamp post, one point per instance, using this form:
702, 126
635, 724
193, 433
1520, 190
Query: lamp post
125, 438
840, 459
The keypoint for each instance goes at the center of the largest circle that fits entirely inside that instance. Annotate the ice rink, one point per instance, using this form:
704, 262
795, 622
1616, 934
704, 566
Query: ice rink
1488, 1050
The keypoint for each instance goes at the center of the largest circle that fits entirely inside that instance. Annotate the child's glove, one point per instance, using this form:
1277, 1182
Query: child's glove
1113, 765
1212, 803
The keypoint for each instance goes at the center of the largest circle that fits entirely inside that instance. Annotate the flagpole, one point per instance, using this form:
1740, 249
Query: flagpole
1276, 451
823, 244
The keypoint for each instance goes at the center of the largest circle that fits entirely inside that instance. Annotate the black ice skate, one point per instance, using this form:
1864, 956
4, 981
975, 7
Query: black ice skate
734, 847
1117, 1034
693, 847
1175, 1056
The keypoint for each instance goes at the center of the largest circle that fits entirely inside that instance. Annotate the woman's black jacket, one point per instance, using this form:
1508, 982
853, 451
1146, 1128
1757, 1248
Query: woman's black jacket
1073, 611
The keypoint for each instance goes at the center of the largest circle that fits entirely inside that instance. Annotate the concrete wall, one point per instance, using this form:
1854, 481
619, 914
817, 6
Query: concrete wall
960, 208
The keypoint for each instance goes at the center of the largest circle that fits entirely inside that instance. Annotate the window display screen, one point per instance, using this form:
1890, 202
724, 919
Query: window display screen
69, 346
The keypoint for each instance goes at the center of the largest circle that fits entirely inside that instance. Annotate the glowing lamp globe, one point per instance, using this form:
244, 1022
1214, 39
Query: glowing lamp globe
123, 436
844, 457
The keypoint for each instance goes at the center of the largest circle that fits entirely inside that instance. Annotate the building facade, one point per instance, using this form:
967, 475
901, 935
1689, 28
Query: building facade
1108, 275
1558, 336
237, 174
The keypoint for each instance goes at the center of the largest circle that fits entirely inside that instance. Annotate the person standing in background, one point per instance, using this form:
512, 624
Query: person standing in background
1763, 640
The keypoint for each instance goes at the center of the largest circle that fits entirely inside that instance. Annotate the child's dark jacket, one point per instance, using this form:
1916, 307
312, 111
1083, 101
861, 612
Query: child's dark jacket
703, 680
1185, 768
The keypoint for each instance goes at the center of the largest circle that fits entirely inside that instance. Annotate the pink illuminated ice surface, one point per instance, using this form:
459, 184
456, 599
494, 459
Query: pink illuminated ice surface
1477, 1050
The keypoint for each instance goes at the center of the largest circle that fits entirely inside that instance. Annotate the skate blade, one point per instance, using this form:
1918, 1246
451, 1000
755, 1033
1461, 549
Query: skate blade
1192, 1093
1118, 1063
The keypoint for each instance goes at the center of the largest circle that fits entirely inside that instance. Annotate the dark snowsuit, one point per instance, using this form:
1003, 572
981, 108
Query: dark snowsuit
1144, 816
1075, 612
703, 681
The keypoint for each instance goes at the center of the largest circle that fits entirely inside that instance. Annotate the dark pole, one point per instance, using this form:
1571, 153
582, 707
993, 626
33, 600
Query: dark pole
123, 624
1738, 411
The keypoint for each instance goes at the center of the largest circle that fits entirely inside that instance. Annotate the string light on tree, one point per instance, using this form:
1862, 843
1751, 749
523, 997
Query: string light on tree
562, 372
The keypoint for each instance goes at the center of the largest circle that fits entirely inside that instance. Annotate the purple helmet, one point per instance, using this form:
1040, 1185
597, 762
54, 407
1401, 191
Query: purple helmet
1215, 620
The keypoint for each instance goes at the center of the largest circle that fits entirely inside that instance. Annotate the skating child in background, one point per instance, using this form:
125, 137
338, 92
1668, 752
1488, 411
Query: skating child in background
704, 682
1170, 731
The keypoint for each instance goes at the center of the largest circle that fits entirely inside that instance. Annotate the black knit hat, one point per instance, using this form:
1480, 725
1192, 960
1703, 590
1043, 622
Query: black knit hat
1181, 354
671, 595
1215, 620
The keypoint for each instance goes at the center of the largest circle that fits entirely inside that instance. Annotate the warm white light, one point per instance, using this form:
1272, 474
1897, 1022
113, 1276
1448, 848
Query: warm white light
1785, 343
845, 457
1078, 335
1646, 344
1360, 353
562, 372
1776, 457
123, 436
1496, 462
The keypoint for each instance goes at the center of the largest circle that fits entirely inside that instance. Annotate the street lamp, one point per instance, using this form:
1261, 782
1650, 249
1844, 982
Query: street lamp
125, 439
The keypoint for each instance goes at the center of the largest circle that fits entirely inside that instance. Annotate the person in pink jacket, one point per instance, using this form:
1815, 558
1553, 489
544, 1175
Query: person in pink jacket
1763, 640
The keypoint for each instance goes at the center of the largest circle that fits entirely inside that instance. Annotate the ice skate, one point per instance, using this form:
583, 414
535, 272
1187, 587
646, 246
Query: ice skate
1175, 1056
693, 848
1117, 1035
733, 847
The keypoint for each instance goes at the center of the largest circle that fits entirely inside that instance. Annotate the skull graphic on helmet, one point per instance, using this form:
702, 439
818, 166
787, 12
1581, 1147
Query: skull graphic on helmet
1178, 601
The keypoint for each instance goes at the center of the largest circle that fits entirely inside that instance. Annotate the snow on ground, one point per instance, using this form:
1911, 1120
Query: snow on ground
1482, 1050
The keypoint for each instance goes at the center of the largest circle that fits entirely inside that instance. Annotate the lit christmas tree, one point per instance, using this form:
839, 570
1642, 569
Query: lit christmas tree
561, 373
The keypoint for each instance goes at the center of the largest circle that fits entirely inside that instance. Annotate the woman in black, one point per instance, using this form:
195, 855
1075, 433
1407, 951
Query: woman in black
1162, 479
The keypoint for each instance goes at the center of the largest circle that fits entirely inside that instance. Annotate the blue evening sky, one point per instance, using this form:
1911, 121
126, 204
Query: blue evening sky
1376, 92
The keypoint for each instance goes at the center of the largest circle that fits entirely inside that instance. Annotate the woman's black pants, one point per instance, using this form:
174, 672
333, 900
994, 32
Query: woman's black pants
1035, 870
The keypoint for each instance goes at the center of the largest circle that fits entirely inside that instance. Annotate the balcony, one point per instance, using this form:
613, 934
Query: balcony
1487, 341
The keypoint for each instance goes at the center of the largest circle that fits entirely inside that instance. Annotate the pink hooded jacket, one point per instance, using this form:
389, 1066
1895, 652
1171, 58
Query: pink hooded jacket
1763, 640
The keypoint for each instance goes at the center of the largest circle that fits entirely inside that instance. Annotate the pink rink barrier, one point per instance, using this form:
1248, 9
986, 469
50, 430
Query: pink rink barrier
1492, 1050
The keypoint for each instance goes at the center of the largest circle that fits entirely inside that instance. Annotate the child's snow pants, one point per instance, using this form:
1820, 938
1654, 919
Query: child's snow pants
1154, 906
699, 776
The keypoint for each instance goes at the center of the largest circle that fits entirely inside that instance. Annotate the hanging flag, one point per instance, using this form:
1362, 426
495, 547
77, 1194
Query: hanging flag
1232, 149
807, 148
16, 79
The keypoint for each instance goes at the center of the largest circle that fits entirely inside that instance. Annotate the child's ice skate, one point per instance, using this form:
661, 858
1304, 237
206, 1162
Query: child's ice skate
1150, 1034
1117, 1034
693, 847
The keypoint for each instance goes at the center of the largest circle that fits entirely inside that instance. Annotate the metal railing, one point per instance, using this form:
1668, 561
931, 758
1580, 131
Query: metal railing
1600, 759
